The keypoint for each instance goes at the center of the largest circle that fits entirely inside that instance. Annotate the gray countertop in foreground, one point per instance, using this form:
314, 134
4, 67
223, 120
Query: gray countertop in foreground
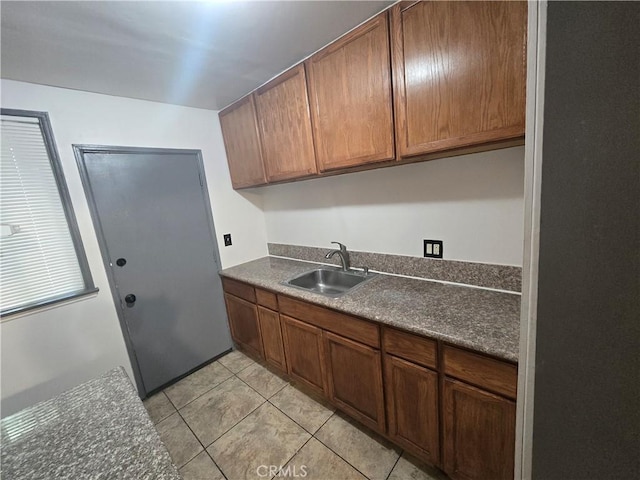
98, 430
483, 320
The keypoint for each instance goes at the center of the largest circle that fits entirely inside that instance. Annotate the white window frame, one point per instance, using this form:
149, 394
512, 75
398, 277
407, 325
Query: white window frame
58, 174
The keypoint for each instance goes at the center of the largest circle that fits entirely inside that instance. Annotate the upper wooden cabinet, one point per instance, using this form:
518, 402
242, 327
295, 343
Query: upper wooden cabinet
459, 73
424, 80
241, 140
285, 126
350, 97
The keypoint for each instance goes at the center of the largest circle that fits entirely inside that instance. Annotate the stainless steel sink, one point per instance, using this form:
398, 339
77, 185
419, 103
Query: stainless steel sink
328, 281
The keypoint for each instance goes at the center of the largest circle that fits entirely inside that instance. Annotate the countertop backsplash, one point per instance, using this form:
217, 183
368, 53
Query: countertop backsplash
501, 277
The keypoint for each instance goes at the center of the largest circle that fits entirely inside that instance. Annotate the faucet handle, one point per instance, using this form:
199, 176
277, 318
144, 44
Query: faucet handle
342, 247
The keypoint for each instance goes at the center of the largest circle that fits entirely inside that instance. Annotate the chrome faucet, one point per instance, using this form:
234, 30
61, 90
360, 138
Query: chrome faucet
344, 256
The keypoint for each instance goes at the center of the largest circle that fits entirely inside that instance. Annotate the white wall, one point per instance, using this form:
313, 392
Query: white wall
47, 352
474, 203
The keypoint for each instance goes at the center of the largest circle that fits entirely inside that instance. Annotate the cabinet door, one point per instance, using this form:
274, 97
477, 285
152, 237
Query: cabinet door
412, 407
350, 97
459, 73
241, 140
272, 338
354, 379
479, 433
303, 347
243, 322
285, 126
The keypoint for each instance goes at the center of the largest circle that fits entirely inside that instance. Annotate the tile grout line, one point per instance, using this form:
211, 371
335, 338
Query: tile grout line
177, 410
294, 421
163, 418
194, 436
202, 394
336, 453
204, 449
234, 425
209, 456
331, 449
224, 433
394, 465
253, 362
255, 390
266, 401
312, 435
196, 398
217, 466
207, 391
340, 456
295, 453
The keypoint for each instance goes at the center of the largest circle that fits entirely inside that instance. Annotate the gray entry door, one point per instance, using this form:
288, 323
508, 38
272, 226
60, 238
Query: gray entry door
157, 239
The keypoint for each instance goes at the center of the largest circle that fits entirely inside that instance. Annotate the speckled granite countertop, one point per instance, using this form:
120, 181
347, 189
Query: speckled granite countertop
483, 320
98, 430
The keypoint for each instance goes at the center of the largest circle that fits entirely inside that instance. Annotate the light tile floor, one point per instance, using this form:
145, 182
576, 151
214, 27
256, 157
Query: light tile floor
234, 419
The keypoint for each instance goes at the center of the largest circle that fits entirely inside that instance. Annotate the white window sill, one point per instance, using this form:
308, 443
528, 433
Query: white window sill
49, 305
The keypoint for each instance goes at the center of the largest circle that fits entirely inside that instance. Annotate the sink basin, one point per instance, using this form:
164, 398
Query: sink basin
329, 282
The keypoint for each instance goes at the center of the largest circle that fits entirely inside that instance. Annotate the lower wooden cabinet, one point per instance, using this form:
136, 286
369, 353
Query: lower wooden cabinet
479, 433
243, 323
451, 407
272, 338
303, 347
354, 379
412, 407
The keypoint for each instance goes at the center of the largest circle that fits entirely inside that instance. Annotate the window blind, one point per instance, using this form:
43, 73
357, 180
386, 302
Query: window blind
38, 260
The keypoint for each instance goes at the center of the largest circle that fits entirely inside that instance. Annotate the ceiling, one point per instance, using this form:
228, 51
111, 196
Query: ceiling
199, 54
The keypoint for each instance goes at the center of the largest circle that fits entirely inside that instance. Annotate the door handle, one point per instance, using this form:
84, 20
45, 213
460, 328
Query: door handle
130, 299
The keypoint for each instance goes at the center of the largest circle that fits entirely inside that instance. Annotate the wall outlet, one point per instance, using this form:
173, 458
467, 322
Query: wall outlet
227, 239
433, 248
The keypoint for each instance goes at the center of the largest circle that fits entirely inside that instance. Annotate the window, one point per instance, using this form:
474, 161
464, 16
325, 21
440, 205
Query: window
42, 260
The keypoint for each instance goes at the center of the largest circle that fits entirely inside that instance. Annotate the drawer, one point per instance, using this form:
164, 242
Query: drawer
239, 289
267, 299
345, 325
414, 348
484, 372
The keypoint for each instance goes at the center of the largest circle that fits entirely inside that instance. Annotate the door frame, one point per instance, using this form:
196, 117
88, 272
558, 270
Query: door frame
536, 61
79, 151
